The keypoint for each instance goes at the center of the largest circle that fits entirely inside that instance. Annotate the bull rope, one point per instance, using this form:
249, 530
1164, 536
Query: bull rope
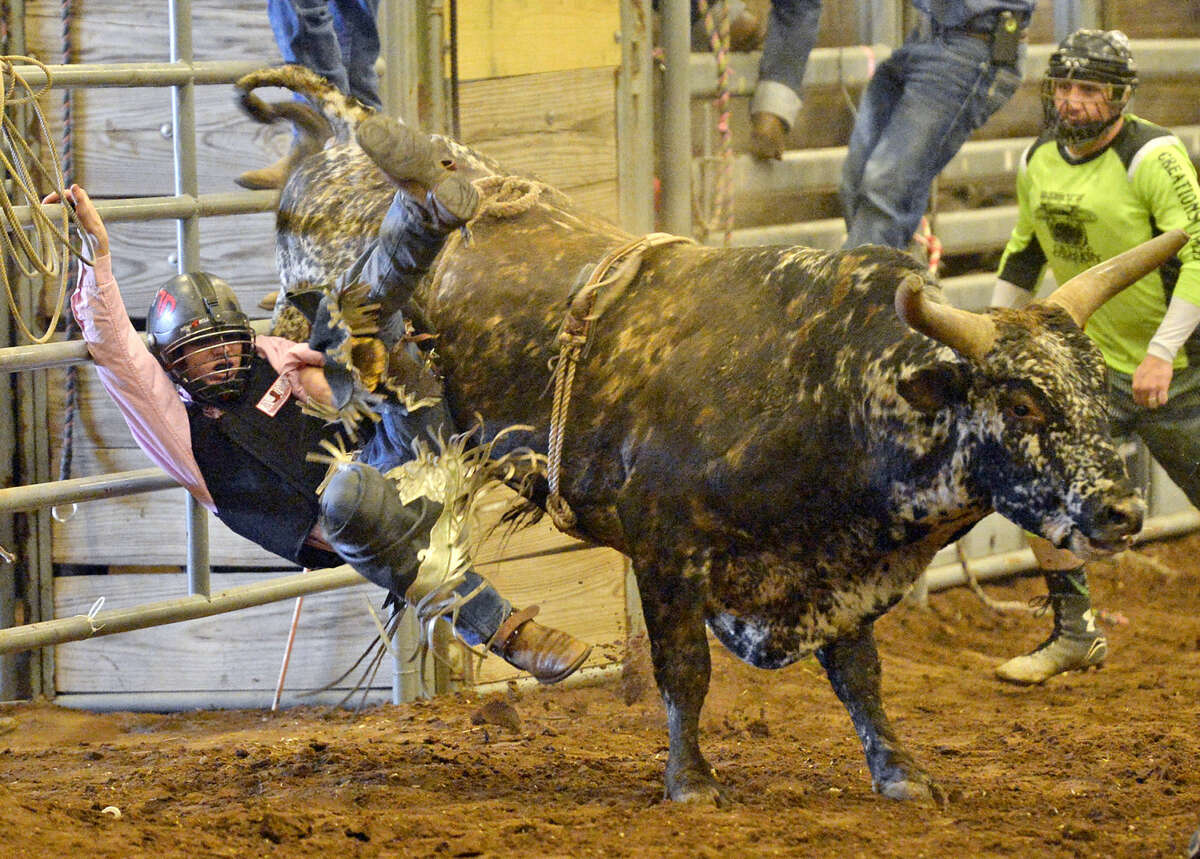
615, 271
507, 197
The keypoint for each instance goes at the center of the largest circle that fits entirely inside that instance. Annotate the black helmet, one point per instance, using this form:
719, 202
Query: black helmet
1096, 56
197, 311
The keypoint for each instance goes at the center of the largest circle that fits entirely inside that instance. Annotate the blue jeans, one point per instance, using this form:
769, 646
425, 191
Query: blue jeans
410, 237
791, 35
915, 114
337, 39
1171, 431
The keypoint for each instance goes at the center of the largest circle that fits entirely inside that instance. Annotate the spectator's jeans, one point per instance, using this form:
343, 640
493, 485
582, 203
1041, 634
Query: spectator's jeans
337, 39
791, 35
1171, 431
918, 109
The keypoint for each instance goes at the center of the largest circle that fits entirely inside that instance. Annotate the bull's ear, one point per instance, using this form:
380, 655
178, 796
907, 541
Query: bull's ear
935, 387
307, 301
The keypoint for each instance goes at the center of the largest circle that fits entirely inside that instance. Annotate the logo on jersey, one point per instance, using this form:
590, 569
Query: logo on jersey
1067, 223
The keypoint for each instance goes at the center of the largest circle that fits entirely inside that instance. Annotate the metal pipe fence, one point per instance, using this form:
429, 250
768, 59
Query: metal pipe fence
187, 207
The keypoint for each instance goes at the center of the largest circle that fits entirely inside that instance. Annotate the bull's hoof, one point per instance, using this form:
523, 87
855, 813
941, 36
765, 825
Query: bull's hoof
696, 787
920, 788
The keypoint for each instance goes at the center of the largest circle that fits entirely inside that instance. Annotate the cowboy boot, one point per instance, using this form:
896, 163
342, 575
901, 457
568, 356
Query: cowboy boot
550, 655
409, 159
1074, 645
768, 136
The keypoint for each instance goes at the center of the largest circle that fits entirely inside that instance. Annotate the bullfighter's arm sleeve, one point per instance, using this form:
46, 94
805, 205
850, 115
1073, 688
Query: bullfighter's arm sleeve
1024, 261
1165, 178
140, 388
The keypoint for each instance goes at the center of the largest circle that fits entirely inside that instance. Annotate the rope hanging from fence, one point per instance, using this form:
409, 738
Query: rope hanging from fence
716, 24
46, 254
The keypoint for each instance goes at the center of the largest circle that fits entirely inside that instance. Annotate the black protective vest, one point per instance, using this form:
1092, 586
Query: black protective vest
255, 468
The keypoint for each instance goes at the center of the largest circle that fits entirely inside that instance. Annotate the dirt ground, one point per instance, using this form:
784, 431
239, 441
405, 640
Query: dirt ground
1099, 764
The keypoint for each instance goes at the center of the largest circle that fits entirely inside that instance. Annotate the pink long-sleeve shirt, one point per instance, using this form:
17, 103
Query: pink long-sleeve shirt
152, 406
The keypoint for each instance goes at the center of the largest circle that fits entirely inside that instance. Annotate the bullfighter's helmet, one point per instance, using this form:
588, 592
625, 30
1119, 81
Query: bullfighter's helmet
1095, 56
195, 312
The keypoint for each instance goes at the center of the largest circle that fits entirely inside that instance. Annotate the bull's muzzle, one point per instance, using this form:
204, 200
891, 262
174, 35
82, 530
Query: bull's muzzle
1113, 523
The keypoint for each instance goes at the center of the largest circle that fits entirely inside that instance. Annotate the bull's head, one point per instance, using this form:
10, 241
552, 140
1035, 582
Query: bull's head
1038, 405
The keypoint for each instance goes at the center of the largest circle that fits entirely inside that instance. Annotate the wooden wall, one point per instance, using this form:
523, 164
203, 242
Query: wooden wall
548, 118
551, 115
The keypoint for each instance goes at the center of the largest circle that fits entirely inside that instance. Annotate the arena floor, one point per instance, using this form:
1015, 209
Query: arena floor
1102, 764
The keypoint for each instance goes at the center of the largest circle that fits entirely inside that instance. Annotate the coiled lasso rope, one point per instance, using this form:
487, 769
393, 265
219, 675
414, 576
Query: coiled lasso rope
46, 254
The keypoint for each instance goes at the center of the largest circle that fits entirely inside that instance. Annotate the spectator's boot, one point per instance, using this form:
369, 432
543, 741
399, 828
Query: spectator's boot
550, 655
273, 176
1074, 645
768, 136
409, 159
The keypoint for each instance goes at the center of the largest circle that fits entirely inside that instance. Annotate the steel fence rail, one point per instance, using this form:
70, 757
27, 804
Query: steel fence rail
79, 627
41, 356
852, 66
137, 74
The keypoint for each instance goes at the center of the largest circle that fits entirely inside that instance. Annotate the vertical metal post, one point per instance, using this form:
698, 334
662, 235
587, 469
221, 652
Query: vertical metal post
880, 22
34, 454
435, 68
635, 120
187, 238
676, 156
1072, 15
14, 668
399, 35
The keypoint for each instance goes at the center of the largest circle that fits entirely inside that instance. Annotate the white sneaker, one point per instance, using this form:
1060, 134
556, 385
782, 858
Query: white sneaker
1057, 654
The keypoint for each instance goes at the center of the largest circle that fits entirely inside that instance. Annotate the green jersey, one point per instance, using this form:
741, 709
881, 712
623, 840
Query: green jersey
1074, 214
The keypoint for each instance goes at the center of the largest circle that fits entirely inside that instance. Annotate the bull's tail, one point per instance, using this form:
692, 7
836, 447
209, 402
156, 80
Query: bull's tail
328, 113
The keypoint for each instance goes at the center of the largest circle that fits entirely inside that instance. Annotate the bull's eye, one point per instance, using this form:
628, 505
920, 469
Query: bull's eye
1021, 407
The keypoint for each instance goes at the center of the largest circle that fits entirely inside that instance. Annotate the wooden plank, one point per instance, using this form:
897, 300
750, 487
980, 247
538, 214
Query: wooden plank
559, 127
147, 530
502, 38
239, 248
581, 592
235, 651
109, 31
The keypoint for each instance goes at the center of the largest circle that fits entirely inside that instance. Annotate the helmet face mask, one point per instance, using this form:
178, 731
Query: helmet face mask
201, 338
1090, 79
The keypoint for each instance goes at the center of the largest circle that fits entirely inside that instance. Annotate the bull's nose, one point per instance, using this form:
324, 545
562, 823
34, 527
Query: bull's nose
1121, 518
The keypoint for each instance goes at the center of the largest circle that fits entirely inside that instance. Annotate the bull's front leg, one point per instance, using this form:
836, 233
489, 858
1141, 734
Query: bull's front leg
852, 663
672, 604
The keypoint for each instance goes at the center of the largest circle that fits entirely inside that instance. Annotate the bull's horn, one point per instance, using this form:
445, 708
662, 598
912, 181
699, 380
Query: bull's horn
970, 334
1082, 295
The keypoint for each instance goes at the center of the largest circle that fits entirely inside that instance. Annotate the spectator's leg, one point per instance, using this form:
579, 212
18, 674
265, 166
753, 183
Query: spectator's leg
879, 99
306, 35
791, 35
358, 33
950, 88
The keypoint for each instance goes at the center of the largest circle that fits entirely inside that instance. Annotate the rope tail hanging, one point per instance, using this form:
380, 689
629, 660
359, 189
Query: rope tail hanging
716, 23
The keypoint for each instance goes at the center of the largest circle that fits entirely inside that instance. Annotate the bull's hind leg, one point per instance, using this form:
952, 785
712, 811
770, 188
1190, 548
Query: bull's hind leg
673, 608
852, 663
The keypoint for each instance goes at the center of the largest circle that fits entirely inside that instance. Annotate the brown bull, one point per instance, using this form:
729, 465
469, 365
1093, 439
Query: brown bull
779, 438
